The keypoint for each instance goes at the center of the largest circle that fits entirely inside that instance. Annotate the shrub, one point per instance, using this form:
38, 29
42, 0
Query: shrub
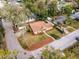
55, 36
23, 43
29, 29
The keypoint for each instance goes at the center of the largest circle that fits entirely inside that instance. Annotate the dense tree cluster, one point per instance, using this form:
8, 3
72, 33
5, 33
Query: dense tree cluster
57, 54
6, 54
42, 9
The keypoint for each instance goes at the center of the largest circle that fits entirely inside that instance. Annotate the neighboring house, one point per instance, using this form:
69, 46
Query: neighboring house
39, 26
59, 20
75, 16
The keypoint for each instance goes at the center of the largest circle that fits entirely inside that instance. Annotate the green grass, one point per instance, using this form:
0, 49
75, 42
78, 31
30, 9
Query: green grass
74, 49
55, 33
75, 25
30, 39
70, 29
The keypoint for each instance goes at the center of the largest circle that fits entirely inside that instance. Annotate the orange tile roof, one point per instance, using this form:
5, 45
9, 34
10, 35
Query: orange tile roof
39, 25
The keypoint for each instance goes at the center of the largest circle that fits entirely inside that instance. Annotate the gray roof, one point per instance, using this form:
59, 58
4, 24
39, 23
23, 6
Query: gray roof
60, 19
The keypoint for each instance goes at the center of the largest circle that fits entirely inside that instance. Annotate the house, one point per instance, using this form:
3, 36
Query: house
39, 26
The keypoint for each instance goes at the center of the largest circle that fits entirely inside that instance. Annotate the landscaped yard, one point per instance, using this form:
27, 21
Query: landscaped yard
29, 39
70, 29
75, 25
55, 33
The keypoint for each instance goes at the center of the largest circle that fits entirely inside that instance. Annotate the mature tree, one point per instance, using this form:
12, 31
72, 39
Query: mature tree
68, 9
14, 14
77, 1
38, 8
41, 11
52, 8
57, 54
7, 54
45, 54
